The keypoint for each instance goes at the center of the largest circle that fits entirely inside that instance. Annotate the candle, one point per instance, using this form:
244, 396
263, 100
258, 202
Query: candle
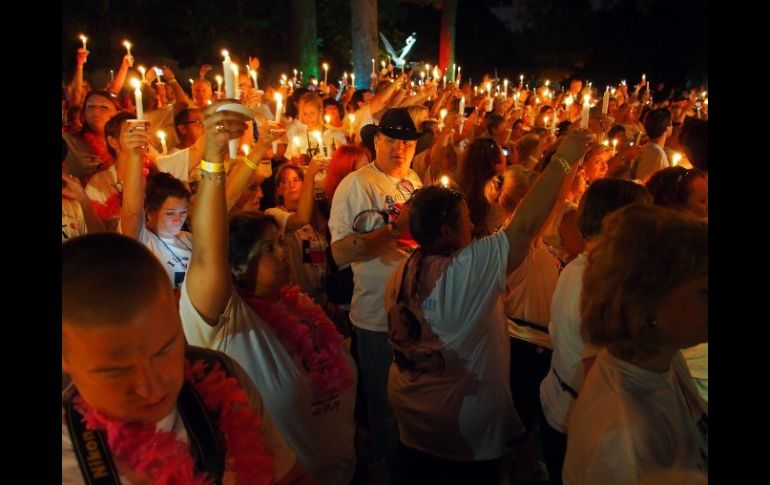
158, 73
521, 81
568, 101
162, 135
351, 123
295, 75
326, 72
383, 64
353, 79
454, 72
373, 67
545, 121
442, 115
459, 73
445, 181
614, 146
586, 111
297, 141
475, 90
676, 158
278, 105
191, 81
328, 119
606, 101
644, 77
462, 106
84, 39
422, 75
443, 80
143, 71
138, 98
505, 87
436, 73
219, 83
237, 90
127, 45
245, 148
516, 100
314, 81
112, 75
228, 73
319, 138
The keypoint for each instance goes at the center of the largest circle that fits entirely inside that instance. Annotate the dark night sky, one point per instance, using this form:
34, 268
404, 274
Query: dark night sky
601, 40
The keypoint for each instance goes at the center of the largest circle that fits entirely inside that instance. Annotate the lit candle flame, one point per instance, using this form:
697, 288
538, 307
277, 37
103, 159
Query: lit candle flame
161, 134
676, 158
568, 100
445, 181
325, 66
443, 113
83, 38
317, 135
246, 149
127, 45
328, 119
135, 83
277, 96
297, 141
352, 118
225, 53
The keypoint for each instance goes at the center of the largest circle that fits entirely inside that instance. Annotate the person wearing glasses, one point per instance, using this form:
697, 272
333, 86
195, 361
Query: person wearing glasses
368, 224
449, 380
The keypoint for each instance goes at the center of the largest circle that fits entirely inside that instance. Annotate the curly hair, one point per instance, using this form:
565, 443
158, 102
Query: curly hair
642, 254
477, 168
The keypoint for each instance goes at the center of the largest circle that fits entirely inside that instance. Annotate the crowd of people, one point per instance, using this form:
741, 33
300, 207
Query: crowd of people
422, 281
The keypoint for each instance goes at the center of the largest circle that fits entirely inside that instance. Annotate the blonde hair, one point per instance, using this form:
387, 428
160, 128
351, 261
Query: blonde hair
311, 98
642, 254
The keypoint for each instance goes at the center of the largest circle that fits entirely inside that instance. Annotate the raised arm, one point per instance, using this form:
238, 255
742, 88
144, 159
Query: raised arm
133, 140
536, 206
306, 201
76, 86
241, 174
208, 280
120, 77
181, 101
381, 99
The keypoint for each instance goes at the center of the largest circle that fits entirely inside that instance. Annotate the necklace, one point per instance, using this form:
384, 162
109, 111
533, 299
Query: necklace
307, 334
178, 260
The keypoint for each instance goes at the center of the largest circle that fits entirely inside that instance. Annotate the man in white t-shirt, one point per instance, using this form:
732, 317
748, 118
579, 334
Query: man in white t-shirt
124, 349
653, 157
361, 238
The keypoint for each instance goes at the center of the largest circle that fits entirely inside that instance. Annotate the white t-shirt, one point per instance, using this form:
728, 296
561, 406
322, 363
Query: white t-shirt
530, 289
364, 189
319, 428
73, 223
458, 406
176, 164
174, 253
307, 255
651, 159
102, 189
283, 457
629, 421
569, 349
363, 117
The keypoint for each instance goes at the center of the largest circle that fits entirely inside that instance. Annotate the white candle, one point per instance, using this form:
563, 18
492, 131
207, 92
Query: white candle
143, 71
454, 72
383, 64
516, 100
546, 119
112, 75
462, 106
521, 81
606, 101
614, 146
459, 73
505, 87
158, 73
162, 135
295, 75
644, 77
373, 67
475, 90
443, 80
245, 149
351, 123
442, 115
445, 181
237, 92
138, 98
676, 158
228, 73
127, 45
278, 105
353, 80
84, 39
326, 72
586, 111
328, 119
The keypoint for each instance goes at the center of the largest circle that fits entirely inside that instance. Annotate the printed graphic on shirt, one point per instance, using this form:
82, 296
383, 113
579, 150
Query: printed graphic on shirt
416, 348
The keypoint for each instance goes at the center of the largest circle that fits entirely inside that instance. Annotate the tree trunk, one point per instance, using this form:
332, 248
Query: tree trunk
446, 53
304, 37
365, 41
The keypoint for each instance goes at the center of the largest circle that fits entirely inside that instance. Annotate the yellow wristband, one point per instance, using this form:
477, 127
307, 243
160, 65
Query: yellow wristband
563, 162
249, 163
212, 167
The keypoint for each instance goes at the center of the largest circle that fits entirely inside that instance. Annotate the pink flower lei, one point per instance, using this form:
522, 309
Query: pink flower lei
146, 450
308, 334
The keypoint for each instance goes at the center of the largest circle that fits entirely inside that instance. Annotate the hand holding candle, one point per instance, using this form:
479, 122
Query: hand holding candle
162, 136
138, 98
83, 38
